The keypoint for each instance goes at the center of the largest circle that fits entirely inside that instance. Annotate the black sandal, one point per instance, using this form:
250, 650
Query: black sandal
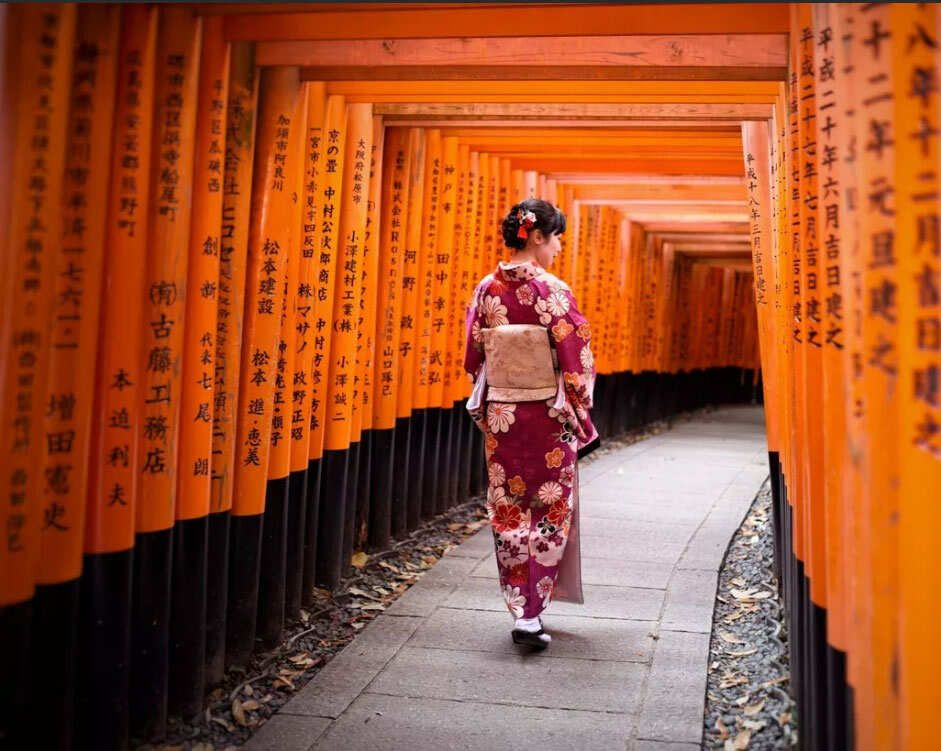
535, 639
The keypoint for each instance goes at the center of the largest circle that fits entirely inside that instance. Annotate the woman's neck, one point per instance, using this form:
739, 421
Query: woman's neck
523, 256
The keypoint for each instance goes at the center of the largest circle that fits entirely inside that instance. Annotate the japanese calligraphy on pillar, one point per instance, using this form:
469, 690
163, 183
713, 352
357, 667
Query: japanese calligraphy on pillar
272, 211
45, 37
413, 236
327, 267
919, 231
165, 285
445, 310
395, 186
279, 465
202, 286
426, 275
233, 258
346, 306
366, 352
304, 314
463, 273
77, 295
116, 426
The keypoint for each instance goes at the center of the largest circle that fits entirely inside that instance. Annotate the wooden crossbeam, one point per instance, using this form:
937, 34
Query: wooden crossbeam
660, 191
546, 91
677, 57
498, 112
313, 21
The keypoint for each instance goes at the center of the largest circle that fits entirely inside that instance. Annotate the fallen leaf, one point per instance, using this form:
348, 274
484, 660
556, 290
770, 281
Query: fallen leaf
723, 730
359, 560
730, 638
224, 723
784, 718
280, 681
373, 606
455, 526
250, 705
753, 724
738, 581
753, 709
238, 714
358, 592
358, 626
742, 740
743, 653
248, 690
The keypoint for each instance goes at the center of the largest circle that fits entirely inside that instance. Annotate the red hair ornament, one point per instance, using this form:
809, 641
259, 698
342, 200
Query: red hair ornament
527, 220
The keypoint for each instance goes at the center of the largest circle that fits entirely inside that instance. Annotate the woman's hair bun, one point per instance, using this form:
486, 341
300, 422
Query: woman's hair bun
525, 216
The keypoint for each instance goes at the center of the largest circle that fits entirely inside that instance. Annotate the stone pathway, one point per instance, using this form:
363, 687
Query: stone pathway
626, 670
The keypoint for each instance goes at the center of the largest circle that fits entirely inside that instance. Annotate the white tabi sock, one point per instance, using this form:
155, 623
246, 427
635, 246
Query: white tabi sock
532, 625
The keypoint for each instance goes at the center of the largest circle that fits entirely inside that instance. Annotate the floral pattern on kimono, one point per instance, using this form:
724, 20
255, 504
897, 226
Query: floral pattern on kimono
531, 447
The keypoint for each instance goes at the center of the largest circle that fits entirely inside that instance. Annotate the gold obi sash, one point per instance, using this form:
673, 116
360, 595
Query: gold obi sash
521, 364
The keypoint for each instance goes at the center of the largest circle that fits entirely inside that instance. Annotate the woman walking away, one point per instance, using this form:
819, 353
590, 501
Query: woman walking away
528, 352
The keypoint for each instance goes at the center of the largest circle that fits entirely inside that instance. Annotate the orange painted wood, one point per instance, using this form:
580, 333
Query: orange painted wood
202, 283
563, 19
46, 35
408, 365
393, 219
810, 364
333, 145
425, 277
233, 260
287, 297
701, 51
366, 353
828, 136
177, 79
116, 422
77, 295
272, 210
347, 295
452, 316
919, 358
305, 315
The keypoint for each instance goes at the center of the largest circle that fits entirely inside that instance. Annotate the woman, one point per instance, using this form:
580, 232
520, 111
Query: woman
531, 444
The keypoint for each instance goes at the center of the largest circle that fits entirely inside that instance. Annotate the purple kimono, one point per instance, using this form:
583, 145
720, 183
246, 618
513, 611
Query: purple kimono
531, 447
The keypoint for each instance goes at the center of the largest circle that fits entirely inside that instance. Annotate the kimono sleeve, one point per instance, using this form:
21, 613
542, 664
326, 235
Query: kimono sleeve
474, 346
572, 336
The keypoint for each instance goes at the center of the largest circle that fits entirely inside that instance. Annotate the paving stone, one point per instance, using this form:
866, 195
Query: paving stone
707, 548
650, 547
572, 637
676, 687
629, 603
391, 722
347, 675
285, 732
436, 585
645, 745
652, 509
475, 546
629, 528
689, 601
526, 678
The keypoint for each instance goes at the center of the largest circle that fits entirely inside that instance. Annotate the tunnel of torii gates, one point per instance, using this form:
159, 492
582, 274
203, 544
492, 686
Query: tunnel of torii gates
238, 242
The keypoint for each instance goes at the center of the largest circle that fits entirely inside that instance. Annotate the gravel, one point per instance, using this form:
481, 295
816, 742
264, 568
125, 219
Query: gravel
747, 701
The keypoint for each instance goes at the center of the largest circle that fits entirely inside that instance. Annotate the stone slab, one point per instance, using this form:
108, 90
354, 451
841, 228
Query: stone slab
436, 586
348, 673
690, 600
676, 687
420, 724
284, 732
526, 679
572, 637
